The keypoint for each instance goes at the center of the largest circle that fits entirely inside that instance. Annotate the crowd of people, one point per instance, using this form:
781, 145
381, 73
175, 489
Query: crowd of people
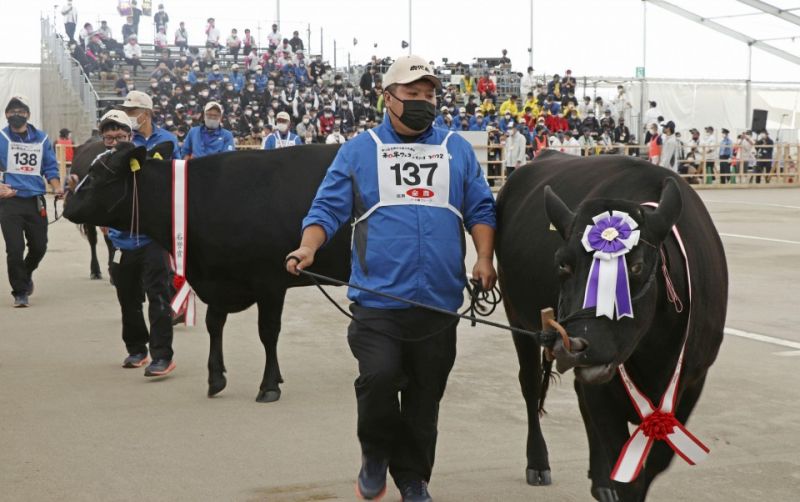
280, 96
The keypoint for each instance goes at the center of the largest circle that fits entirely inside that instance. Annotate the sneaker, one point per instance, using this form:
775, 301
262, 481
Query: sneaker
135, 360
20, 301
415, 490
30, 287
159, 367
371, 484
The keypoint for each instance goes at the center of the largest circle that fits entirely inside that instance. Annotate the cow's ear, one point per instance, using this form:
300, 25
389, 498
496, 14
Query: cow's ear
136, 158
670, 206
162, 151
560, 216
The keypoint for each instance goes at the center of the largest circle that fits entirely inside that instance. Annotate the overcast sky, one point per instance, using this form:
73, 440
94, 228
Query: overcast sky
591, 37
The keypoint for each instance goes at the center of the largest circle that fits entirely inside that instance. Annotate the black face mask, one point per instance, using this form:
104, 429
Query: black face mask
17, 121
417, 115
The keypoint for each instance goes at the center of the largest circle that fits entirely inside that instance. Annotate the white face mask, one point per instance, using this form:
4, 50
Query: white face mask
135, 124
212, 123
283, 127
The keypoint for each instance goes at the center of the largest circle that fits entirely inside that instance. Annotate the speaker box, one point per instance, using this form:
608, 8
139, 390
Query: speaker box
759, 120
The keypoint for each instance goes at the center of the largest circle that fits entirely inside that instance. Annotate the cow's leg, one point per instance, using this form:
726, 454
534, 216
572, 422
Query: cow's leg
599, 467
215, 322
94, 265
530, 380
661, 454
269, 326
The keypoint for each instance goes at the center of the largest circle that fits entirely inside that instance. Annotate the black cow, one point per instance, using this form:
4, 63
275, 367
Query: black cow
542, 263
84, 154
244, 216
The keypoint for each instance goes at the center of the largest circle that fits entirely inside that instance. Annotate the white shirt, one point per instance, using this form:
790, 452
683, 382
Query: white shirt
555, 144
670, 156
274, 38
233, 42
334, 138
161, 39
651, 116
212, 36
526, 85
572, 147
707, 142
179, 35
514, 150
70, 14
132, 50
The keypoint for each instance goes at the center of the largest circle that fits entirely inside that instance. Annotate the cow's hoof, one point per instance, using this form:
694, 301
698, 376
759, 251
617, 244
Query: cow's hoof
216, 385
538, 478
95, 276
605, 494
268, 396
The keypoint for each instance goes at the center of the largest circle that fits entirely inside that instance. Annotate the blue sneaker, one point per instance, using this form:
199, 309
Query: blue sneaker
135, 360
371, 484
159, 367
415, 490
20, 301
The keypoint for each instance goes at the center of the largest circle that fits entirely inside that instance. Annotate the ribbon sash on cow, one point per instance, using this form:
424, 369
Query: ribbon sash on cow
610, 238
184, 301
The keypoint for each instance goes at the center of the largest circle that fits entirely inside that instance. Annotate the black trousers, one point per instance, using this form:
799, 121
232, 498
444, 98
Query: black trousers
400, 384
724, 168
70, 29
22, 223
140, 272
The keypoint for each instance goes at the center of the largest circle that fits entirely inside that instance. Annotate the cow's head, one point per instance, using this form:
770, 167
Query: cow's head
600, 343
104, 196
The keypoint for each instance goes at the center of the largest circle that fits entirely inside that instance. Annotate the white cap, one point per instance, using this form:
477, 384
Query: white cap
283, 116
213, 104
408, 69
138, 99
117, 117
234, 66
215, 67
19, 99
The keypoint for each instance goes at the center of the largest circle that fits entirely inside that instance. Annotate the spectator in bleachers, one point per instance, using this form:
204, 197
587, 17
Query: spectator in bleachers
539, 142
283, 136
133, 54
487, 89
478, 123
182, 37
725, 154
555, 142
599, 106
325, 122
471, 105
160, 43
215, 75
86, 32
234, 44
248, 42
296, 42
345, 115
621, 102
128, 29
468, 86
571, 145
568, 83
212, 34
506, 120
306, 128
510, 106
708, 152
274, 38
488, 109
336, 136
209, 138
237, 78
161, 19
367, 81
590, 123
136, 14
585, 107
574, 122
568, 100
532, 103
652, 114
586, 142
607, 121
622, 135
764, 150
106, 68
70, 14
554, 87
527, 83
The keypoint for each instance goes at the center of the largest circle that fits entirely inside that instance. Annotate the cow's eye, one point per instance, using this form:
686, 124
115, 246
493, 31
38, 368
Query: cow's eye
564, 270
636, 268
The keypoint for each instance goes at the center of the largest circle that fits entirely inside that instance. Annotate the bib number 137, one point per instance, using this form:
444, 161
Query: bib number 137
411, 173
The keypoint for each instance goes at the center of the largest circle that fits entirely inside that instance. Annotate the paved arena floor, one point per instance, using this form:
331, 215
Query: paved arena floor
76, 426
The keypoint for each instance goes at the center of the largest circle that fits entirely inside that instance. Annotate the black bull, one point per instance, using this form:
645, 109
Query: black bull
244, 215
541, 265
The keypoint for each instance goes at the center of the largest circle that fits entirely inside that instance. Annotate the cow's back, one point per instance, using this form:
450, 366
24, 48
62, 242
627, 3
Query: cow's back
526, 245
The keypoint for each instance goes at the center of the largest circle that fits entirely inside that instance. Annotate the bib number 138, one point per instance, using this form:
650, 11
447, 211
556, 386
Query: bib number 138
411, 173
26, 159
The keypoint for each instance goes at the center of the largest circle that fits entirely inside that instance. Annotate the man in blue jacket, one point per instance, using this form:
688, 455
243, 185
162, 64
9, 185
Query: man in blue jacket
283, 136
139, 107
26, 156
411, 189
209, 138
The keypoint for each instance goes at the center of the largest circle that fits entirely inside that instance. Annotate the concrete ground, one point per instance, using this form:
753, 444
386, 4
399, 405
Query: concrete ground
76, 426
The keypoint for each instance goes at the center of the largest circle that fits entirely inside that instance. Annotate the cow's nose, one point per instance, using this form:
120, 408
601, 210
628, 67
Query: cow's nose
569, 357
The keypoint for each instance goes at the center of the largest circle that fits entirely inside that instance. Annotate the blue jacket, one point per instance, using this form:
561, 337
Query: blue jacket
415, 252
261, 82
238, 81
271, 141
123, 239
475, 126
28, 186
202, 141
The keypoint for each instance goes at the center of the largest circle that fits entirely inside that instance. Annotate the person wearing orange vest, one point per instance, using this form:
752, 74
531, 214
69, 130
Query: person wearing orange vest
654, 144
65, 138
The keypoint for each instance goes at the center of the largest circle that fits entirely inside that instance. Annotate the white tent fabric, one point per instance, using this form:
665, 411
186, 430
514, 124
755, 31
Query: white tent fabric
21, 79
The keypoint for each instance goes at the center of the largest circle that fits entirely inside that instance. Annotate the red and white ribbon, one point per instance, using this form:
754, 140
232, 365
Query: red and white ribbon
184, 301
658, 424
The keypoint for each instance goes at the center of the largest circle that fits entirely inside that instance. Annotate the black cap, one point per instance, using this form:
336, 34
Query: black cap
693, 130
725, 131
710, 128
669, 125
64, 132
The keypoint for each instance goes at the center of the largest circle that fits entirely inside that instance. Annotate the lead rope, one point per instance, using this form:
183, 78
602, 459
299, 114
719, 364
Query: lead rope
672, 295
135, 211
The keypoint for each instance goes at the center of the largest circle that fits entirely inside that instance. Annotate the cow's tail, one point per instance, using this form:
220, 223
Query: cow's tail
546, 377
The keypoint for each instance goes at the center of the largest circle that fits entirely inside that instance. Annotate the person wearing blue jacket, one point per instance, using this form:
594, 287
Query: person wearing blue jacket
209, 138
143, 263
283, 136
477, 122
26, 156
237, 78
410, 189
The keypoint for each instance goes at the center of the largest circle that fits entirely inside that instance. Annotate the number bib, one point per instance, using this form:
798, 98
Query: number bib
24, 158
412, 174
